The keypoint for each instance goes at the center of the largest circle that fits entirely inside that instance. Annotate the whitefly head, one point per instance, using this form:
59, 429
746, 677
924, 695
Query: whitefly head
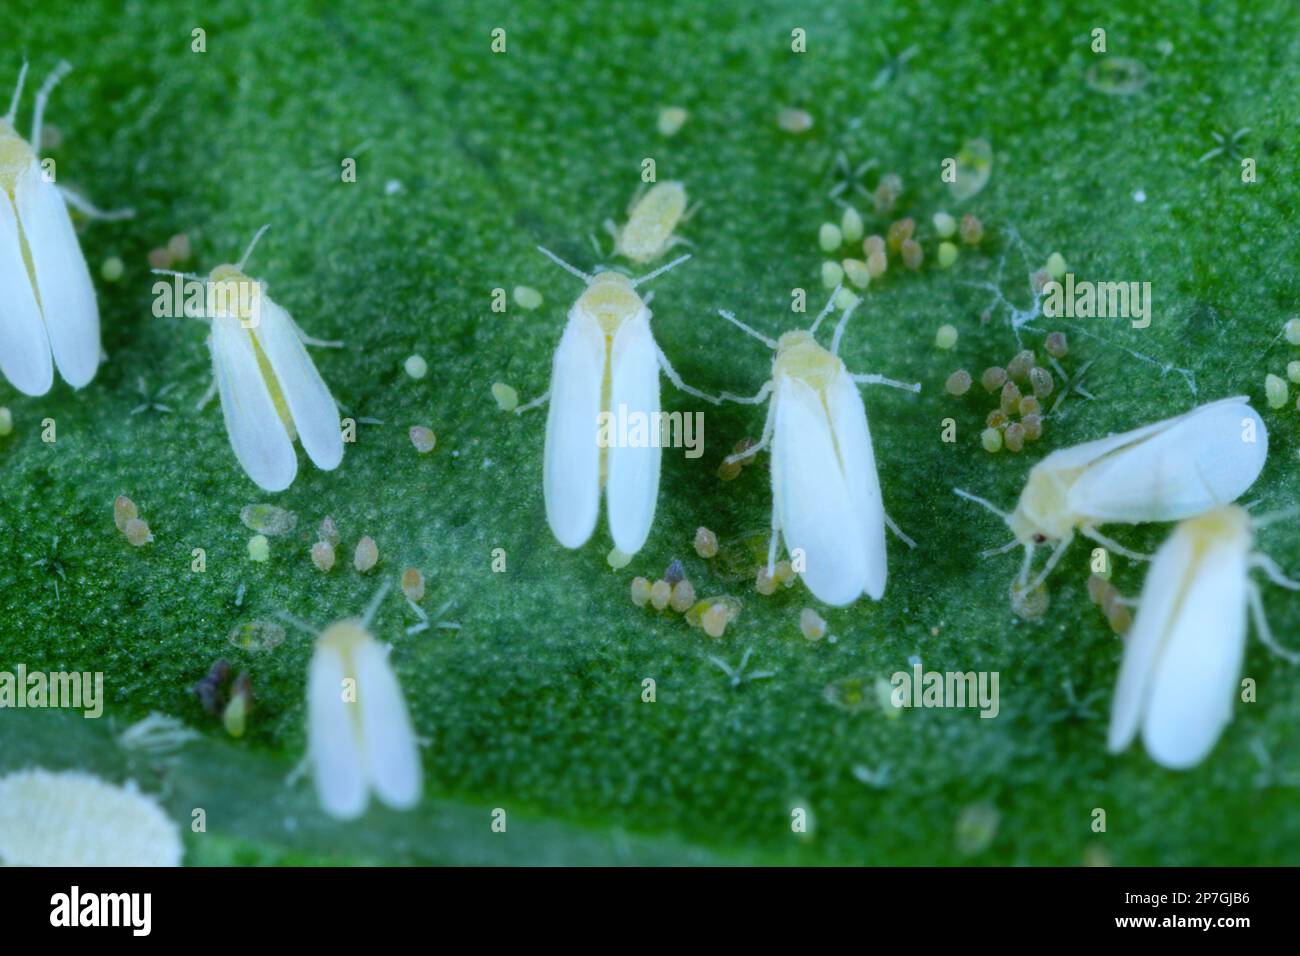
799, 356
1043, 514
232, 292
15, 156
611, 299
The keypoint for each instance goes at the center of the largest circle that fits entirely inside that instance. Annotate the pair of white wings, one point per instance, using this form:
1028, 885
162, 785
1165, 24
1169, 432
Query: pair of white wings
571, 477
826, 491
365, 744
1168, 470
64, 321
258, 436
1184, 653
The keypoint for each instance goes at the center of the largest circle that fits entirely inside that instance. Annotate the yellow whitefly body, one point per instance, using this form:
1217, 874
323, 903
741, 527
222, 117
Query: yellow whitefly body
611, 300
648, 233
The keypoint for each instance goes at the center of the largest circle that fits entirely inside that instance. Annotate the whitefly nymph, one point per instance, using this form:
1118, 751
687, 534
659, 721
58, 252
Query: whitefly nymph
652, 219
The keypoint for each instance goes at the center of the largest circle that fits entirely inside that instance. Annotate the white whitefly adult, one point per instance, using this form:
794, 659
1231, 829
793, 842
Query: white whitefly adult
826, 500
1183, 655
271, 392
48, 313
359, 734
1170, 470
607, 364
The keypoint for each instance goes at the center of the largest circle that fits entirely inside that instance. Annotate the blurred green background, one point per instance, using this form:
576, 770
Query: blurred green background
466, 161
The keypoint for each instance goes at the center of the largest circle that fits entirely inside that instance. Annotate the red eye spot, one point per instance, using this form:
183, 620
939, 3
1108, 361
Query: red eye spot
1040, 539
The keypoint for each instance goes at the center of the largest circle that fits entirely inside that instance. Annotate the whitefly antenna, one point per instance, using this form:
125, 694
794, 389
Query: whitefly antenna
983, 502
770, 343
660, 271
830, 303
840, 326
18, 92
1273, 517
43, 97
243, 260
564, 265
297, 622
373, 607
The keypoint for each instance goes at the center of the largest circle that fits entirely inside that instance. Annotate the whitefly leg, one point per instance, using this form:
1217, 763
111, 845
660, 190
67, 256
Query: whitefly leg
882, 380
1275, 574
752, 450
208, 395
1261, 625
676, 379
892, 526
1057, 553
1090, 532
771, 545
90, 210
535, 403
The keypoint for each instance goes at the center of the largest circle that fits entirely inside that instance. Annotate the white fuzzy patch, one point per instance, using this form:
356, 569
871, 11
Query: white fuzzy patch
75, 819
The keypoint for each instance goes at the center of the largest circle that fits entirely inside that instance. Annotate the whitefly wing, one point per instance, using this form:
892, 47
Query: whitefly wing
1200, 460
311, 406
815, 508
334, 747
24, 346
388, 742
257, 435
1194, 685
66, 293
632, 487
853, 441
571, 470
